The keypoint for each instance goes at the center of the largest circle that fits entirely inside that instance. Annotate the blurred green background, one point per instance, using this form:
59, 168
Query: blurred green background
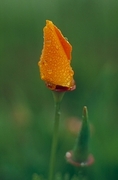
26, 105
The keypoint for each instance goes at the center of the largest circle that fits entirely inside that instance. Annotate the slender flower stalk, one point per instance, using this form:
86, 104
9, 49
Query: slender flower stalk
57, 100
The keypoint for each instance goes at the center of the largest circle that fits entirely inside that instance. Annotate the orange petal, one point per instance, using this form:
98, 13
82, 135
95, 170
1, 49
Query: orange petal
55, 58
65, 44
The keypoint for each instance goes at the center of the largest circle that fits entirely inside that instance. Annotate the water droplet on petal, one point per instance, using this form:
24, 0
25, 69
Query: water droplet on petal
66, 38
51, 86
48, 42
42, 77
49, 71
44, 63
57, 47
68, 155
71, 73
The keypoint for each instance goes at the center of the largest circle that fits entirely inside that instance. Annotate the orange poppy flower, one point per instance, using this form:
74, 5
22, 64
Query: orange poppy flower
55, 60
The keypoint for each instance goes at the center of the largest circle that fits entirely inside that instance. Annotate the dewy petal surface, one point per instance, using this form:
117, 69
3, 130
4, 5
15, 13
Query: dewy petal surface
55, 58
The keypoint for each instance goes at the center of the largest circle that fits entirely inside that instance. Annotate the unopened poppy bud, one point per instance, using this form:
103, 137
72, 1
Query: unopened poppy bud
55, 60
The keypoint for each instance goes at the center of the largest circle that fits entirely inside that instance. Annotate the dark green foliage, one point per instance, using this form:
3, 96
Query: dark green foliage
26, 105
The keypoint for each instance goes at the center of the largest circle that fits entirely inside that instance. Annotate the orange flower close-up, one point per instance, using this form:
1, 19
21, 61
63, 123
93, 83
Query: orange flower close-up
55, 59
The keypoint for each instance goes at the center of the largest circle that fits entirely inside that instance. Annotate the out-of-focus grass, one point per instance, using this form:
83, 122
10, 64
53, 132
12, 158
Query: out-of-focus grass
26, 106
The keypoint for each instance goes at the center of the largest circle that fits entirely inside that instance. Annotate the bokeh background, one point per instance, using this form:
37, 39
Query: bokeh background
26, 105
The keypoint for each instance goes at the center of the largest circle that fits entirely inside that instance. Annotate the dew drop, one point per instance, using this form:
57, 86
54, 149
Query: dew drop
51, 86
57, 47
42, 77
71, 73
66, 38
68, 155
68, 83
49, 71
83, 164
48, 42
50, 60
44, 63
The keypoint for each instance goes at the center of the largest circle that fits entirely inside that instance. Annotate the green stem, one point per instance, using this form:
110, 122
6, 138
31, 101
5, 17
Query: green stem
57, 99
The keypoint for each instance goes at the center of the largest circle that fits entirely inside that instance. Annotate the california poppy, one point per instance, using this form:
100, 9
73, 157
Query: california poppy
55, 60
